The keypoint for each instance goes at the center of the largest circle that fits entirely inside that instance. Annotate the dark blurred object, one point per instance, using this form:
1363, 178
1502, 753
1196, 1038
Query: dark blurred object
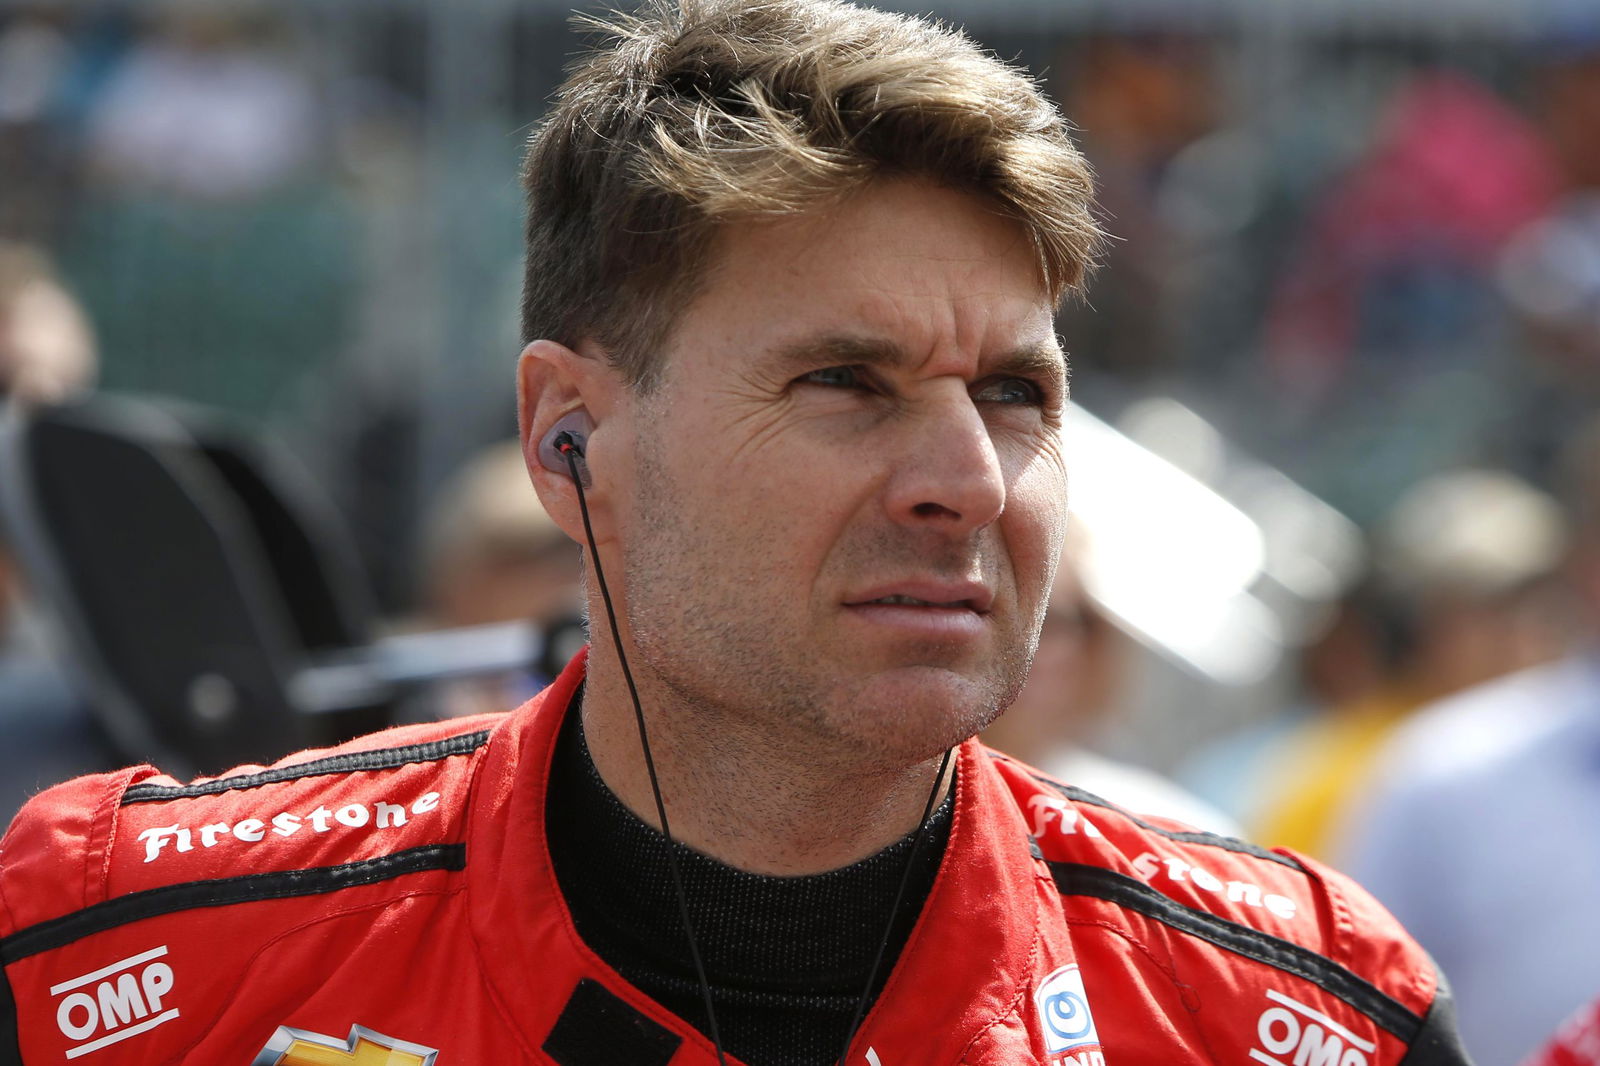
205, 593
181, 569
40, 58
47, 353
1567, 91
50, 733
1550, 273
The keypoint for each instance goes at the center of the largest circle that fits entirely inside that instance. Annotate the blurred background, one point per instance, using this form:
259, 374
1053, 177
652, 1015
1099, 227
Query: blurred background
1332, 453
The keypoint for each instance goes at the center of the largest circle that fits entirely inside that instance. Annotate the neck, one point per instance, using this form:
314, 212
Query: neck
787, 960
751, 803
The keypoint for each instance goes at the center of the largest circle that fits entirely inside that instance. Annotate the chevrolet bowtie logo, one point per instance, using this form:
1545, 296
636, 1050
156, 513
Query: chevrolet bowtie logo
297, 1047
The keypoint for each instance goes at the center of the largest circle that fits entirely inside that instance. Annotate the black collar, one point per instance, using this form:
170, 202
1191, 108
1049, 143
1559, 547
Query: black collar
786, 957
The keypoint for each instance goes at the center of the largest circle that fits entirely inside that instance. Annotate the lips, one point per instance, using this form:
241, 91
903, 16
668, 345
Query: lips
959, 595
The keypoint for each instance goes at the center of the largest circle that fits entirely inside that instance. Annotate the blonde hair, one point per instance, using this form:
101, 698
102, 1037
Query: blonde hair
694, 114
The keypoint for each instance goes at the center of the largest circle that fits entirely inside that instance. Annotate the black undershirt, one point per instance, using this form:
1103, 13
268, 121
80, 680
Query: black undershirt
787, 957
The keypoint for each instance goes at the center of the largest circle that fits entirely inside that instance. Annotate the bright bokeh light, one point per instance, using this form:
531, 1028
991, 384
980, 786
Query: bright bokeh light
1171, 559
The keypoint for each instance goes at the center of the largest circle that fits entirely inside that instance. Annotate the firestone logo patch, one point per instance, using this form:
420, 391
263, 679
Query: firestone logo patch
1151, 866
115, 1002
1052, 813
1068, 1024
363, 1047
380, 815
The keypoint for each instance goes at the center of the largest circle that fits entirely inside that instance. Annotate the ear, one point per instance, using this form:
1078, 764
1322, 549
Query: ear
553, 382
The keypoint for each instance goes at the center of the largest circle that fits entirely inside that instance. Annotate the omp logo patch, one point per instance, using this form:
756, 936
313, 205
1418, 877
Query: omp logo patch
363, 1047
114, 1002
1312, 1038
1066, 1020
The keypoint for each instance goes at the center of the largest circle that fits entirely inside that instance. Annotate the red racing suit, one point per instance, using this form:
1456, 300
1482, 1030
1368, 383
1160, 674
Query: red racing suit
391, 903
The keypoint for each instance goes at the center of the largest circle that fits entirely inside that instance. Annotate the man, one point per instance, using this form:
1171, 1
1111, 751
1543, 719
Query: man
792, 271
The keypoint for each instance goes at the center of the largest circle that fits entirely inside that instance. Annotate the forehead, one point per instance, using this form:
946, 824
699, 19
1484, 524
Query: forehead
901, 266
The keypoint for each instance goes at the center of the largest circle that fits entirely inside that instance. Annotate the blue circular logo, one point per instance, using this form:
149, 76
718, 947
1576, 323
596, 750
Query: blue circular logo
1067, 1015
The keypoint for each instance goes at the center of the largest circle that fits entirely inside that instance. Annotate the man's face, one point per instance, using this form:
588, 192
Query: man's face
849, 491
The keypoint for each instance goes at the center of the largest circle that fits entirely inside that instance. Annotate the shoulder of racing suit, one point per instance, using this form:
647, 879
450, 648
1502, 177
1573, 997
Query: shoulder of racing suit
1250, 920
108, 848
99, 853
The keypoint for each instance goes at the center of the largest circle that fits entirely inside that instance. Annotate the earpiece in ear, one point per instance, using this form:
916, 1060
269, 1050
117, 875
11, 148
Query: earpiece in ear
570, 431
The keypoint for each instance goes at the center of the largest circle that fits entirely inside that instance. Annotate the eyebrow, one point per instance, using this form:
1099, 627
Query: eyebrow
1046, 358
1042, 358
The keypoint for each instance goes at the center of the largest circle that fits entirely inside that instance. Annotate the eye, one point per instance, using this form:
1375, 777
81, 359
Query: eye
1010, 391
836, 377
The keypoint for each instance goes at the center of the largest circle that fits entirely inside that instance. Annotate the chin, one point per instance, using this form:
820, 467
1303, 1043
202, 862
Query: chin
913, 713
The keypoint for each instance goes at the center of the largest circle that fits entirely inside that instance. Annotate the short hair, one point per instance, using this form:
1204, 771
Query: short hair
693, 114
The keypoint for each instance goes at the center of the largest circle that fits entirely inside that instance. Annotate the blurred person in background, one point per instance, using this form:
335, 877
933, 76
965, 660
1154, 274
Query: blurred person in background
47, 346
1073, 687
1346, 662
1576, 1043
1140, 99
207, 105
494, 554
47, 353
213, 242
1550, 272
1477, 824
1385, 341
37, 61
1463, 564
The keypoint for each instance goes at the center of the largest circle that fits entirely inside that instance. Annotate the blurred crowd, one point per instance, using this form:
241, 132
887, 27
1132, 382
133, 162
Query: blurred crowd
1375, 269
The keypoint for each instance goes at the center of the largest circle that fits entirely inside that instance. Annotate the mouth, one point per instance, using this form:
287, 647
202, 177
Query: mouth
912, 601
946, 612
939, 596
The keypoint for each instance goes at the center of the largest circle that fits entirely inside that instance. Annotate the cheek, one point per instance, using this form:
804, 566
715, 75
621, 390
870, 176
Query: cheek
1035, 523
773, 528
810, 490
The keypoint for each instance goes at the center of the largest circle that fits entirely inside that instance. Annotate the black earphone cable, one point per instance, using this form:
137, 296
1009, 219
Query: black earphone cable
894, 911
570, 449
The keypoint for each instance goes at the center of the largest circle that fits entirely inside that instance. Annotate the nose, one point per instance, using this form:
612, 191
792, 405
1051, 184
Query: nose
948, 475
